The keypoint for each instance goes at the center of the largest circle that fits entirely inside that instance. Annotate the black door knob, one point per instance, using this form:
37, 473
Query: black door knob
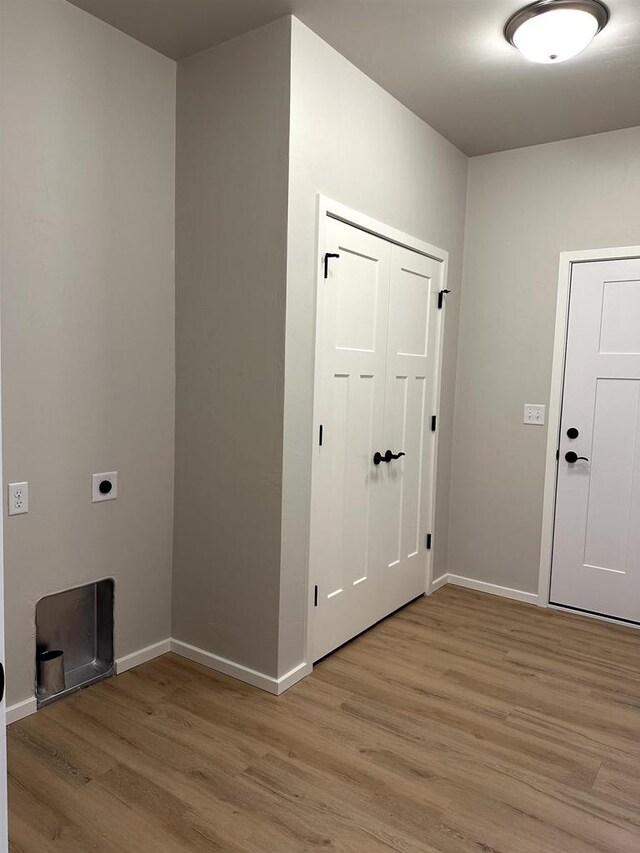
572, 432
572, 457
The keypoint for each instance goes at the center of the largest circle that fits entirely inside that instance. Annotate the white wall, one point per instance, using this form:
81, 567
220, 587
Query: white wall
353, 142
233, 139
524, 208
88, 128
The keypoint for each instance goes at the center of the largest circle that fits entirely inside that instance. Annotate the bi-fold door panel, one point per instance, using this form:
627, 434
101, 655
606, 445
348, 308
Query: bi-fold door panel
352, 355
596, 552
409, 404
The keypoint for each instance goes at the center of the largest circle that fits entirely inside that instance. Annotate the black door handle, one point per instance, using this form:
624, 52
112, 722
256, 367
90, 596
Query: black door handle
388, 456
572, 457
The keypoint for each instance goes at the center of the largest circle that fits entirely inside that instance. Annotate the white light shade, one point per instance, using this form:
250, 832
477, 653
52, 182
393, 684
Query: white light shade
555, 35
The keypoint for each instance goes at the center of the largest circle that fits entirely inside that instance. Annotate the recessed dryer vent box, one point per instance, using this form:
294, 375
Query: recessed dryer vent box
78, 622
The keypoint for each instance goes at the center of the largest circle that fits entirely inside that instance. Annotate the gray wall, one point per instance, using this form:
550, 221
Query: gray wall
524, 208
88, 129
232, 167
356, 144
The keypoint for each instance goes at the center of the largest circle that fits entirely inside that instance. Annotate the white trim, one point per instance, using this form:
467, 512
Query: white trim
335, 210
242, 673
142, 656
294, 675
443, 580
327, 207
567, 259
21, 710
491, 588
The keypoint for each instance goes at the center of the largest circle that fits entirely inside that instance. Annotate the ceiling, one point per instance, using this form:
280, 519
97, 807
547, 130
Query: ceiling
444, 59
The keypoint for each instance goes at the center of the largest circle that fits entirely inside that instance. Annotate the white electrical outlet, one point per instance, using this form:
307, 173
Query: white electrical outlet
533, 414
104, 487
18, 498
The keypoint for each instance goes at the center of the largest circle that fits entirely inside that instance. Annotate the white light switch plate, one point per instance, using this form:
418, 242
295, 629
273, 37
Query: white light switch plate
534, 413
18, 502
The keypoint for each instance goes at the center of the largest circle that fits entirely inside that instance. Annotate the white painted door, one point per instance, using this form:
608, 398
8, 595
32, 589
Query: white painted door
596, 551
375, 389
352, 353
410, 402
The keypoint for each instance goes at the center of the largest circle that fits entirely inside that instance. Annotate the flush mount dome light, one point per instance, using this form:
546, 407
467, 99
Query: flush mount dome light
555, 30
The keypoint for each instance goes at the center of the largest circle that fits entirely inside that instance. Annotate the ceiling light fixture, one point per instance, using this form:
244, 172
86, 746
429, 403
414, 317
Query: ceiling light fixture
555, 30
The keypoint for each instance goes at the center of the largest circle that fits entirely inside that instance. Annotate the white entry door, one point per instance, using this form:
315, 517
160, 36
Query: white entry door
596, 550
376, 394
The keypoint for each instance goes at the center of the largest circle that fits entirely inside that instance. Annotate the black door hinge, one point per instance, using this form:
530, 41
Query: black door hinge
440, 297
326, 262
433, 423
315, 595
557, 455
428, 541
321, 435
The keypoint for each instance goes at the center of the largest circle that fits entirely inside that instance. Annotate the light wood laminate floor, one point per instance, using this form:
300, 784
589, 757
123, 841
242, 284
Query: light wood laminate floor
462, 724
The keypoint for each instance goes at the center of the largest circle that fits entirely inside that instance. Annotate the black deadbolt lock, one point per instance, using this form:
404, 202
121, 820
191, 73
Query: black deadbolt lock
572, 432
105, 487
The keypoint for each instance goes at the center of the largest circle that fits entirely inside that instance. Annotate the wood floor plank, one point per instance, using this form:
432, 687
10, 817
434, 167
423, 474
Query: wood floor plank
619, 781
72, 759
465, 723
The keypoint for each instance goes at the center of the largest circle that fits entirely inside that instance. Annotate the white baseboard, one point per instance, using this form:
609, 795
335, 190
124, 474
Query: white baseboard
438, 582
21, 710
242, 673
293, 676
142, 656
484, 586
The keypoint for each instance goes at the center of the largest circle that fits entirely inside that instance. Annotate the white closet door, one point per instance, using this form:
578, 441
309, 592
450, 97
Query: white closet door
375, 397
410, 401
353, 308
596, 552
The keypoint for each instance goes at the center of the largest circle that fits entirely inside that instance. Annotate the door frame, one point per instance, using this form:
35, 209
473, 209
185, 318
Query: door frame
554, 410
328, 208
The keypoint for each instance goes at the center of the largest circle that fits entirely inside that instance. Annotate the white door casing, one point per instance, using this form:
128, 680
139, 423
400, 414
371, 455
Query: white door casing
377, 368
596, 543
